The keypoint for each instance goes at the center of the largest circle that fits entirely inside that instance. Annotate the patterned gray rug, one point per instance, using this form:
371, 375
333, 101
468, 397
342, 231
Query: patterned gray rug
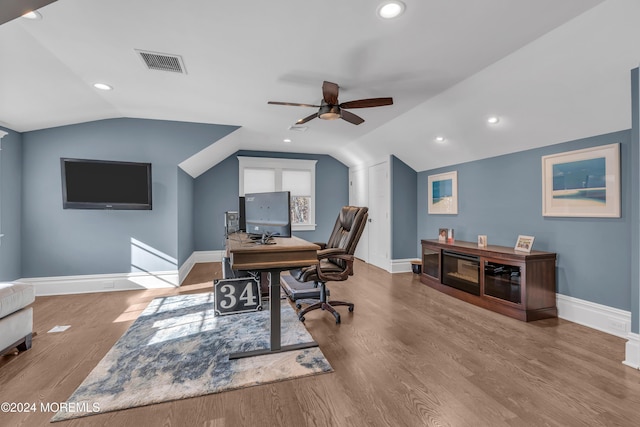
177, 349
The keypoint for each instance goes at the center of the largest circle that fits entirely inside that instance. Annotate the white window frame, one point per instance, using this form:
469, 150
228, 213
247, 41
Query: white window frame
278, 165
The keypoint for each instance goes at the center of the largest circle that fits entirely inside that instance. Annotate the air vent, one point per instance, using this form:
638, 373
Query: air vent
162, 61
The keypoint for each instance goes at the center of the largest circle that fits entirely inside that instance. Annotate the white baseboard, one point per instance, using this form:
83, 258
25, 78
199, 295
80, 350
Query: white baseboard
64, 285
632, 351
401, 265
81, 284
207, 256
597, 316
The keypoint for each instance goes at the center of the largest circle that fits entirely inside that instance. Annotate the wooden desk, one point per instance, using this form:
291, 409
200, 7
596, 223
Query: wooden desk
285, 254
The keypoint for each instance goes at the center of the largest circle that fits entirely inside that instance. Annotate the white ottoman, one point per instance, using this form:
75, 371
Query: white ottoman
16, 319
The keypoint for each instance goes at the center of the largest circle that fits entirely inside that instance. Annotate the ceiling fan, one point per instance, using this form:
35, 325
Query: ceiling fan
331, 109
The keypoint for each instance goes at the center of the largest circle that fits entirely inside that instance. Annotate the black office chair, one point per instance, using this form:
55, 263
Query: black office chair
335, 264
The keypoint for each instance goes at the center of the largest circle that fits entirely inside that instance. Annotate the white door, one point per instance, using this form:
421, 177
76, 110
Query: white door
379, 225
358, 196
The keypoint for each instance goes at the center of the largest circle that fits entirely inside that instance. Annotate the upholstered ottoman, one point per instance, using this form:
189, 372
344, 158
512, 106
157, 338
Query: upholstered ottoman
16, 319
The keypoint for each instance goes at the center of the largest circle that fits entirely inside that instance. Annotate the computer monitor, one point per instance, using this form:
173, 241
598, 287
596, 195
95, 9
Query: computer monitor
268, 214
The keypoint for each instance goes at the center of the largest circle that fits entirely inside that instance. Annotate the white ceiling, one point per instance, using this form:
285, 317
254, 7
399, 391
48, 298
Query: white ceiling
552, 70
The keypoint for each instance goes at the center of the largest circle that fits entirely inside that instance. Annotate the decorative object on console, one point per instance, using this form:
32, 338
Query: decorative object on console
582, 183
482, 241
442, 234
524, 243
443, 193
450, 238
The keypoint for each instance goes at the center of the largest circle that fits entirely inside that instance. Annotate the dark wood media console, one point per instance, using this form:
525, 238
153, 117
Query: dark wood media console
517, 284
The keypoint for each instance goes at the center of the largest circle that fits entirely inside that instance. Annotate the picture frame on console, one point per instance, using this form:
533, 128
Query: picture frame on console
443, 193
582, 183
524, 243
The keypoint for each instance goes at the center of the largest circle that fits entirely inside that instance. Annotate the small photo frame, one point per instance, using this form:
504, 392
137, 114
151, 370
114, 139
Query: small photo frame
524, 243
443, 233
443, 193
482, 241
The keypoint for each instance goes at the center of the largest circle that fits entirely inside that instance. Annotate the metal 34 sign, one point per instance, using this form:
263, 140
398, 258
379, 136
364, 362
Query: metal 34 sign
233, 296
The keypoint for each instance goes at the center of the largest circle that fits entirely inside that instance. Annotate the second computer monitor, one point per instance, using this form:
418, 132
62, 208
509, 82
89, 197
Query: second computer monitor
268, 213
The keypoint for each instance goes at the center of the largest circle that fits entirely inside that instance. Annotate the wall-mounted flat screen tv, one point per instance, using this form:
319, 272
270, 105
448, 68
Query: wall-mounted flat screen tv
268, 214
104, 184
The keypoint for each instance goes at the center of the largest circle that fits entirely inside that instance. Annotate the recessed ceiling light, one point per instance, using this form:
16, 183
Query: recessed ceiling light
287, 140
439, 138
34, 14
391, 9
102, 86
493, 120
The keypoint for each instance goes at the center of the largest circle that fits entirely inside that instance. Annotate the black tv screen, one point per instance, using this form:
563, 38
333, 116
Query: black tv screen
103, 184
268, 213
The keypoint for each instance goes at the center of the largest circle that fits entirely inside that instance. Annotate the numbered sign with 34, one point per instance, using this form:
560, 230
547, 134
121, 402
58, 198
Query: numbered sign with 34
233, 296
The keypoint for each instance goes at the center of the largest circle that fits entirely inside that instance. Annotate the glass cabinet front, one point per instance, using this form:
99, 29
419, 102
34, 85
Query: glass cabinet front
502, 281
431, 262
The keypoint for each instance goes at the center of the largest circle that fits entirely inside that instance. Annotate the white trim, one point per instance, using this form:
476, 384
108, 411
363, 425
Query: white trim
81, 284
185, 268
401, 265
208, 256
632, 351
278, 165
597, 316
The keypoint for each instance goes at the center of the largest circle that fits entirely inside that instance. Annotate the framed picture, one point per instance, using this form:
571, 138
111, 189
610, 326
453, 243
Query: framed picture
524, 243
482, 241
443, 193
582, 183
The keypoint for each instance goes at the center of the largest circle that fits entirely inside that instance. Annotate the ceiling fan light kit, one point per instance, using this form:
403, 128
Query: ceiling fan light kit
329, 112
331, 108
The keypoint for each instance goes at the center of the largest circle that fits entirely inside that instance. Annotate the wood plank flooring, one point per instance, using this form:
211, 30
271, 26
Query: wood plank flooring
407, 356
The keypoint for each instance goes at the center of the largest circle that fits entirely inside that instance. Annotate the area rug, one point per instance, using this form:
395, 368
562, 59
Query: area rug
177, 349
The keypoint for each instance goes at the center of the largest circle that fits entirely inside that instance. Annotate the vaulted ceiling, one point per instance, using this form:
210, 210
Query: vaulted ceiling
550, 70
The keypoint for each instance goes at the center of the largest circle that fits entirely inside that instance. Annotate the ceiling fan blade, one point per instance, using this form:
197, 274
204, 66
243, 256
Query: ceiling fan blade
366, 103
351, 118
306, 119
293, 104
330, 93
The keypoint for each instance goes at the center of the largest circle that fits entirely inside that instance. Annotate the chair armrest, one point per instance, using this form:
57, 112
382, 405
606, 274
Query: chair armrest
336, 276
330, 253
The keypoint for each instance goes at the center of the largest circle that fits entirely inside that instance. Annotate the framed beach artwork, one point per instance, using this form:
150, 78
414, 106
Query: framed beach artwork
582, 183
443, 193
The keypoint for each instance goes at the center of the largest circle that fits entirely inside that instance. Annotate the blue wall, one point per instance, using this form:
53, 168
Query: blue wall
11, 204
216, 191
404, 206
502, 198
62, 242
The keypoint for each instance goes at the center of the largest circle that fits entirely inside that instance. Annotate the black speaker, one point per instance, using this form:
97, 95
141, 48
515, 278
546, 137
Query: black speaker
242, 223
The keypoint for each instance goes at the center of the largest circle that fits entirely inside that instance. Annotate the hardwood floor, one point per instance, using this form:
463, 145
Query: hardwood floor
407, 356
